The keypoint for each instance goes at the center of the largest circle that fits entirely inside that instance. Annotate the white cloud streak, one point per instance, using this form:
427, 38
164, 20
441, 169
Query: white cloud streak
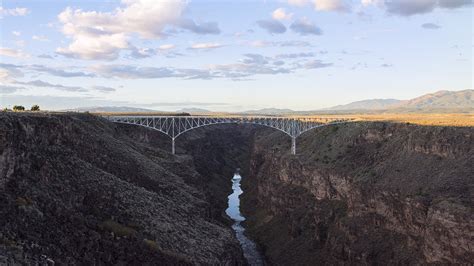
13, 53
15, 12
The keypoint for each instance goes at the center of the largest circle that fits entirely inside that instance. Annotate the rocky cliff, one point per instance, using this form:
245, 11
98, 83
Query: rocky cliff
363, 193
76, 189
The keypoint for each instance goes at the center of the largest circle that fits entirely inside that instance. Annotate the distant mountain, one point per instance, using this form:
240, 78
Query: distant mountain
440, 100
194, 111
374, 104
111, 109
269, 111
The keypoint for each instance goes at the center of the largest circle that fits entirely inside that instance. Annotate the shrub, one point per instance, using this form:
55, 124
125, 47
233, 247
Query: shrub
18, 108
152, 244
117, 229
35, 108
20, 201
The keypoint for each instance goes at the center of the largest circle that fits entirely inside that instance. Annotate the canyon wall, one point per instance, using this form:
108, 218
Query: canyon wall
363, 193
76, 189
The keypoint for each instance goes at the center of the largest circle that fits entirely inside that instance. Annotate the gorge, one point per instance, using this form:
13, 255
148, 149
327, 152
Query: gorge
75, 188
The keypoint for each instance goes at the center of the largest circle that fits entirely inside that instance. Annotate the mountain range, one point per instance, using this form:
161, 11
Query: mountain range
441, 101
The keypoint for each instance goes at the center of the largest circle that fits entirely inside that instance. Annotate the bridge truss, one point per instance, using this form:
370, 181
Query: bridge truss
175, 126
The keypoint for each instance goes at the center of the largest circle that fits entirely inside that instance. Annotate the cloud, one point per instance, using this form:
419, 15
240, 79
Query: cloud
280, 14
238, 71
203, 28
332, 5
430, 26
294, 55
40, 38
260, 43
45, 56
16, 33
252, 64
272, 26
58, 72
45, 69
13, 53
101, 35
18, 11
326, 5
413, 7
410, 7
139, 53
314, 64
255, 59
305, 27
295, 44
7, 89
199, 46
298, 2
8, 74
104, 89
134, 72
43, 84
454, 3
386, 65
166, 47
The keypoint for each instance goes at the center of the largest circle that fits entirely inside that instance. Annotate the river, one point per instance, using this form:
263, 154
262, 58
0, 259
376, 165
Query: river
251, 253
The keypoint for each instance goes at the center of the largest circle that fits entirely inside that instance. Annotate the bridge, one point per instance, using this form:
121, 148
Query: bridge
175, 126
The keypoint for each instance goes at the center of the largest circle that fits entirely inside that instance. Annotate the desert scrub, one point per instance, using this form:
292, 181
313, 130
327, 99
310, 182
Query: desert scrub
21, 201
152, 244
117, 228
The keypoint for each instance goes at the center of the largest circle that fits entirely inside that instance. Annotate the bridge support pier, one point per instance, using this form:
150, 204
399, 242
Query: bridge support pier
173, 149
293, 145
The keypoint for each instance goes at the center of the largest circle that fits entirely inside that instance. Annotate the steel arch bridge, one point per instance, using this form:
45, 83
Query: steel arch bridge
175, 126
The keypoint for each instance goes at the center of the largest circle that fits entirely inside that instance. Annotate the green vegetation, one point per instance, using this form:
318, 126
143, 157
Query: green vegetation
151, 244
18, 108
35, 108
20, 201
117, 228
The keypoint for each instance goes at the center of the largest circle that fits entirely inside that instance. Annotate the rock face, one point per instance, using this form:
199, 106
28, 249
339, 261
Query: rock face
363, 193
76, 189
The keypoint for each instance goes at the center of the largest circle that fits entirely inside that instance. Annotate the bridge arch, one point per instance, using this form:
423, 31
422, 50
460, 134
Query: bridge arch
175, 126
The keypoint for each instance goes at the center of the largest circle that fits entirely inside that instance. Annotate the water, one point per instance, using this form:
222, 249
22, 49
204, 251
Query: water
248, 246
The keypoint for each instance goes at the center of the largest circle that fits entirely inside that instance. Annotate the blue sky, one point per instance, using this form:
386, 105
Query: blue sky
231, 55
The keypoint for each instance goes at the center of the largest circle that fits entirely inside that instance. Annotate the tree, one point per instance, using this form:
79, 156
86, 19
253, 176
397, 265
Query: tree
18, 108
35, 108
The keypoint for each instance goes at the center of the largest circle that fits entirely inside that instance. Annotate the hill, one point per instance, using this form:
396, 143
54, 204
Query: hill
269, 111
374, 104
440, 101
194, 111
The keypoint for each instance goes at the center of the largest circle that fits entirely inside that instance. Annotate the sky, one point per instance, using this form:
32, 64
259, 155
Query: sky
231, 55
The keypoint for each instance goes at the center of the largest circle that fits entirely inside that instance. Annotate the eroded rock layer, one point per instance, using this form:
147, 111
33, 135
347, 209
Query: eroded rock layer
363, 193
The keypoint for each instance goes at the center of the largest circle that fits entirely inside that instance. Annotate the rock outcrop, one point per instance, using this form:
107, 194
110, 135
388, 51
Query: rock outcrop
363, 193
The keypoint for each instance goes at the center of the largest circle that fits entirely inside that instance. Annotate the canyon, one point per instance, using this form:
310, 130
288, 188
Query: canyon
75, 188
